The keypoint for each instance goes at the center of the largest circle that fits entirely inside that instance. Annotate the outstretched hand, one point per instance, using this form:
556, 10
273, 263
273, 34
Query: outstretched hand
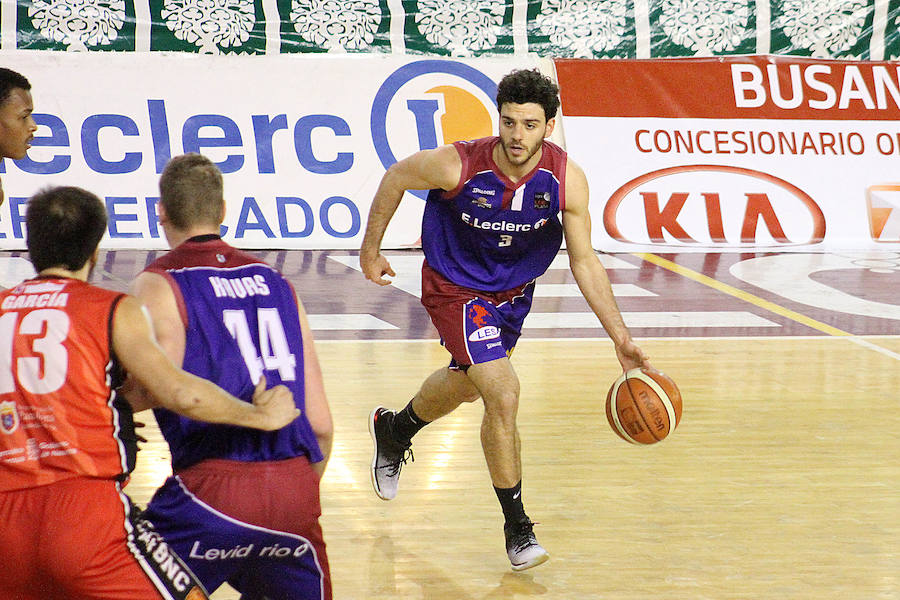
631, 356
276, 405
375, 268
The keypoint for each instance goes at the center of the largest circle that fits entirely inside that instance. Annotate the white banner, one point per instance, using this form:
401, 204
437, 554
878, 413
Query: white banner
768, 153
303, 141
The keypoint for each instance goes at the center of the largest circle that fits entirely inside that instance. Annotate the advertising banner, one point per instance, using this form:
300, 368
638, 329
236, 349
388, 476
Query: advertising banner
845, 29
303, 141
761, 152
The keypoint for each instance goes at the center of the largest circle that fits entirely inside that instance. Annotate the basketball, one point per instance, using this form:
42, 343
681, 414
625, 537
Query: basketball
643, 406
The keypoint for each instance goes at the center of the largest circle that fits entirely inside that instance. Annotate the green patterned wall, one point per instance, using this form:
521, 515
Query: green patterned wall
847, 29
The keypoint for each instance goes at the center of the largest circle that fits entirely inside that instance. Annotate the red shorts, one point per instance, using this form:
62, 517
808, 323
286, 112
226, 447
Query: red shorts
76, 539
475, 327
279, 496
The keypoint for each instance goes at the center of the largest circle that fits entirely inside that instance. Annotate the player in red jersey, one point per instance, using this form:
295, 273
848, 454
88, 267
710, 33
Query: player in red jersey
67, 441
17, 127
490, 228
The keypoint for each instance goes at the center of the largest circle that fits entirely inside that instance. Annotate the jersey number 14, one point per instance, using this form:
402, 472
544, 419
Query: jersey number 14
273, 352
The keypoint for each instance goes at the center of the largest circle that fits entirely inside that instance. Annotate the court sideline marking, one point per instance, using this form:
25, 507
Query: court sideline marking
761, 302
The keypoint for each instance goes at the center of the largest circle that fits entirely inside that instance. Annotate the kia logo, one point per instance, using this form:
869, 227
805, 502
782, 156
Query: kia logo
713, 204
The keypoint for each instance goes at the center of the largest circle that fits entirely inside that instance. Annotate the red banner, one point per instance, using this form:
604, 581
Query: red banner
746, 87
743, 152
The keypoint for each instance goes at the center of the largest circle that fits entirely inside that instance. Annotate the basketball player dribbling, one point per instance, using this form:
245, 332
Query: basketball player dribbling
490, 228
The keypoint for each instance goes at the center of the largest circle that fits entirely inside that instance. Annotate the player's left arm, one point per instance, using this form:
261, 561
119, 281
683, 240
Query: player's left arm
589, 273
316, 410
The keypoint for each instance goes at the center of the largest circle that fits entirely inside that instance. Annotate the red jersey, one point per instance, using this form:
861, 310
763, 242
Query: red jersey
59, 415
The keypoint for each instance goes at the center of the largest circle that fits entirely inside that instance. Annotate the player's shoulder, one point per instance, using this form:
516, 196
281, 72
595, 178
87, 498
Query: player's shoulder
477, 146
214, 253
82, 290
476, 155
554, 155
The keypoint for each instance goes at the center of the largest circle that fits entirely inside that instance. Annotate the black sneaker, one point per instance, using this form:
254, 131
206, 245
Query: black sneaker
389, 455
521, 546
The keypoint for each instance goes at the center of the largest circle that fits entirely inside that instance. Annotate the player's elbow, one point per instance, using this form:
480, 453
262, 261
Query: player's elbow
183, 400
323, 428
393, 182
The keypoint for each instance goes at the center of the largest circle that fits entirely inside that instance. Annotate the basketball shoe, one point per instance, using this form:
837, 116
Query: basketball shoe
389, 456
521, 546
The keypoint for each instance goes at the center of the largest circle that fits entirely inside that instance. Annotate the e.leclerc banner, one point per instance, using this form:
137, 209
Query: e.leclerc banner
302, 140
758, 151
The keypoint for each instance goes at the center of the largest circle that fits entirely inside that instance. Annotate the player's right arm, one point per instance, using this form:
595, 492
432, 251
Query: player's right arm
136, 348
316, 405
440, 168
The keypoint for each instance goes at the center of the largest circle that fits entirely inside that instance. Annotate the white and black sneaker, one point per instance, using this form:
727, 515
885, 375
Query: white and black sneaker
389, 456
521, 546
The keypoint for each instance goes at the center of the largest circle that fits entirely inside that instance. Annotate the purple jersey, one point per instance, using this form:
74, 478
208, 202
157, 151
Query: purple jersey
241, 321
489, 233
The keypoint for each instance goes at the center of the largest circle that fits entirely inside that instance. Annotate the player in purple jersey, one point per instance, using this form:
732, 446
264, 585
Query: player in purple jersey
490, 227
241, 507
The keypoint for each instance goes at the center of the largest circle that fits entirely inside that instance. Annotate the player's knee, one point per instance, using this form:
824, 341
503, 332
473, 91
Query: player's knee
503, 406
469, 396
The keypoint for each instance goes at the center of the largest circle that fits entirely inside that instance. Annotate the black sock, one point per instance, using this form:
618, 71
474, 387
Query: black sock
511, 503
406, 424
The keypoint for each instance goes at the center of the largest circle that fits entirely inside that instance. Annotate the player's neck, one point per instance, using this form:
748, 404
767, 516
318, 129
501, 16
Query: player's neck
176, 238
61, 273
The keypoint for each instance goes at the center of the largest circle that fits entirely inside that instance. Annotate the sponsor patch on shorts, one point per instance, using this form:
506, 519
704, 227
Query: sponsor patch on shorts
165, 567
484, 333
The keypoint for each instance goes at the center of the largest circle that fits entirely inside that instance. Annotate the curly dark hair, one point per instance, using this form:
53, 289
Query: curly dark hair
10, 80
529, 85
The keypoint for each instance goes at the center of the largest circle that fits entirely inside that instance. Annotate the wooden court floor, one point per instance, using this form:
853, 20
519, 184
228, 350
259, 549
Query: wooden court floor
782, 481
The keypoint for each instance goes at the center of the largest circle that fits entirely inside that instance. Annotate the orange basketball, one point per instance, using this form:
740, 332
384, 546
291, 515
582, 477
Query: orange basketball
643, 406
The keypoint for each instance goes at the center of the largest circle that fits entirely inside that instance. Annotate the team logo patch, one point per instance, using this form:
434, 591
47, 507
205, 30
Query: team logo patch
542, 200
482, 202
478, 315
156, 557
9, 417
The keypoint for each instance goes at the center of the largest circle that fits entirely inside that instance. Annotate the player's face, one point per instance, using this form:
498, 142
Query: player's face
17, 127
523, 128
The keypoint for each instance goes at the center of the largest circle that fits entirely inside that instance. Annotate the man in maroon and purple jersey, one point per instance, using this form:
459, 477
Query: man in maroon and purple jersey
242, 506
491, 227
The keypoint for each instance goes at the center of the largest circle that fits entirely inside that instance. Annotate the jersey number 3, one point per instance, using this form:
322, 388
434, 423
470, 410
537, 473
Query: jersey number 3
273, 353
41, 374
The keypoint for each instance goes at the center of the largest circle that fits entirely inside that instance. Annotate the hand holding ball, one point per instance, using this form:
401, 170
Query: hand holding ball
643, 406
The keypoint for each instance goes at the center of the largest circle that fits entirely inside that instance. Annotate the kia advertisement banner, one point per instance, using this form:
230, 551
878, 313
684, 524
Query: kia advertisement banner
302, 141
762, 152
